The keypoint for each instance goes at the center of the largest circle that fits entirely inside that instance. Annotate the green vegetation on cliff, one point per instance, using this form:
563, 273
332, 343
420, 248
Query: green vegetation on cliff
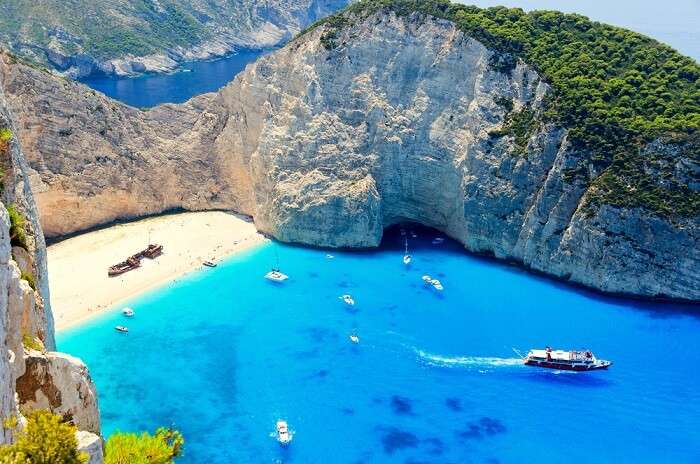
615, 90
49, 439
129, 448
48, 31
45, 440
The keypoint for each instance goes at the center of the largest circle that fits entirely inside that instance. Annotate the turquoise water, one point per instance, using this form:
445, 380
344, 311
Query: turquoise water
222, 354
194, 78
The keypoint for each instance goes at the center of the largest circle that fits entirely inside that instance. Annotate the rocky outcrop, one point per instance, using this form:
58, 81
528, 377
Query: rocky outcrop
130, 37
62, 384
90, 444
29, 378
400, 120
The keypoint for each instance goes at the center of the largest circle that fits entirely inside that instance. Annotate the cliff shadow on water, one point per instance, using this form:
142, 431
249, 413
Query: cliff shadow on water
423, 238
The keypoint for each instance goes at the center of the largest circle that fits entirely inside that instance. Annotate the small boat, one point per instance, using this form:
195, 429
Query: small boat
413, 235
406, 256
437, 285
128, 312
209, 263
276, 275
427, 279
438, 240
283, 434
121, 328
347, 299
572, 360
329, 256
354, 338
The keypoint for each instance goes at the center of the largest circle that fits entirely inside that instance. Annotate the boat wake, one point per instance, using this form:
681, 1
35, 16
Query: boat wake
466, 361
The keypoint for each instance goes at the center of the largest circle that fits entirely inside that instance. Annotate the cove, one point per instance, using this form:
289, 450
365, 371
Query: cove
192, 79
223, 353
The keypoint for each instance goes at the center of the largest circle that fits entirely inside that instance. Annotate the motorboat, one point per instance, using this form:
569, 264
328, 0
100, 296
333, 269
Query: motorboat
437, 285
128, 312
572, 360
438, 240
329, 256
275, 275
121, 328
347, 299
354, 338
427, 279
209, 263
284, 437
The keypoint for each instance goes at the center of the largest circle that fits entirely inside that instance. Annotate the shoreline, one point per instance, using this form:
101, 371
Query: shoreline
188, 239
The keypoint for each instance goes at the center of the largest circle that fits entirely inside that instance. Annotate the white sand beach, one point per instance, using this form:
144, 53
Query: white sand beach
80, 287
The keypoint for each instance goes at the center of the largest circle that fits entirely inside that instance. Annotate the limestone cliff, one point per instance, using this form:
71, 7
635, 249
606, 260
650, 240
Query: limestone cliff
400, 118
31, 375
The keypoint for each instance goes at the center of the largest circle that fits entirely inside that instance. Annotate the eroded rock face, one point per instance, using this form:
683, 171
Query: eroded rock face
330, 146
62, 384
53, 380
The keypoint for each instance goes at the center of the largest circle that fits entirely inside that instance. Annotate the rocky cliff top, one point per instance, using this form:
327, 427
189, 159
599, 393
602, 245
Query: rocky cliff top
615, 90
130, 36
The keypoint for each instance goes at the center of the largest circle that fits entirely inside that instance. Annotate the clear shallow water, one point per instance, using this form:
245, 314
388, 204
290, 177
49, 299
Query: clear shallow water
193, 79
222, 354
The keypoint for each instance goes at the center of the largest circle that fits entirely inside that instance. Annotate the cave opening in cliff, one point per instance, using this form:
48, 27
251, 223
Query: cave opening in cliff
417, 236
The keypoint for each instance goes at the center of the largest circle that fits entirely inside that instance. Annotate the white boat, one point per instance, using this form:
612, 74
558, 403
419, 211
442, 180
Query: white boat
209, 263
438, 240
329, 256
427, 279
354, 338
283, 434
276, 275
406, 256
347, 299
437, 285
121, 328
128, 312
571, 360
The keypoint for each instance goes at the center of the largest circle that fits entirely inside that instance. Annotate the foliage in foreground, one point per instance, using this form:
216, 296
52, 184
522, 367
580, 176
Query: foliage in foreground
45, 440
614, 89
129, 448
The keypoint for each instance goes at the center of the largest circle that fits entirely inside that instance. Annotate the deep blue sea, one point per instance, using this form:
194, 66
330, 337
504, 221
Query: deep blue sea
222, 354
194, 78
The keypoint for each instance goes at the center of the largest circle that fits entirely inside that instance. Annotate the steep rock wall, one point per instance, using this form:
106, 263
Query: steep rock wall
330, 145
25, 313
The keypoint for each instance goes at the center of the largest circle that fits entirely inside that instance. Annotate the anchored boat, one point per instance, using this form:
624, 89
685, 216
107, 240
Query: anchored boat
573, 360
284, 437
406, 256
276, 275
128, 312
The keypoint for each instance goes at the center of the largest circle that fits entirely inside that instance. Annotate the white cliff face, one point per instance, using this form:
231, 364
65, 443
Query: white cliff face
8, 356
395, 123
329, 147
62, 384
30, 379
